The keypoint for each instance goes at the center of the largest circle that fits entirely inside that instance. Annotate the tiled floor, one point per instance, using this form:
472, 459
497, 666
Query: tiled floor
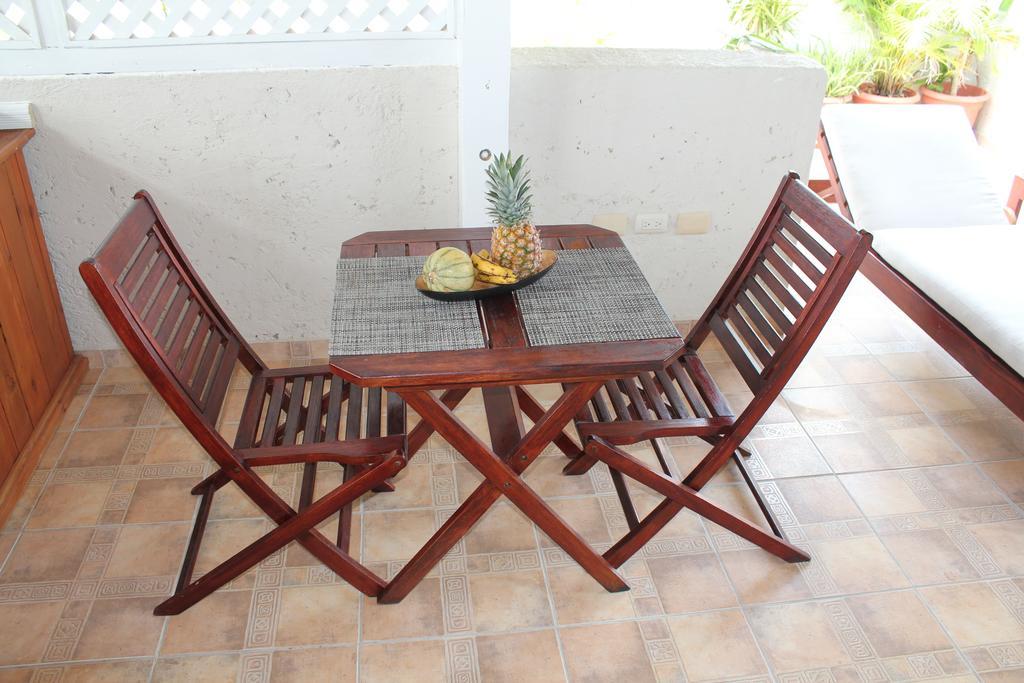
902, 476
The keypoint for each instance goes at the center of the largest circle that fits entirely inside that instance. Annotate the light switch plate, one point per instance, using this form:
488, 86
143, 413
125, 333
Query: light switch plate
650, 223
14, 115
619, 222
693, 223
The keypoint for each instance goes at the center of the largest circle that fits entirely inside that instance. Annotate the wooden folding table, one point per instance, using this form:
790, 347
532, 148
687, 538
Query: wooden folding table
515, 351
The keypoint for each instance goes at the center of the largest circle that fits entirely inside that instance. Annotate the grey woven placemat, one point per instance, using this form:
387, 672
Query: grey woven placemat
378, 310
593, 295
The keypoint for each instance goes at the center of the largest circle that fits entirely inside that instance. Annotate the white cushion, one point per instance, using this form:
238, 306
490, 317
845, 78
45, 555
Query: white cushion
911, 166
974, 273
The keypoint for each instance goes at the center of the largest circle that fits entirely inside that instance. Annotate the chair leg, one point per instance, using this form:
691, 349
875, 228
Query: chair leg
291, 528
679, 496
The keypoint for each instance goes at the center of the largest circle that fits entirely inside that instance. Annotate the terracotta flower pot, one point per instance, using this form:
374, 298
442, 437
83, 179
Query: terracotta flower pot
864, 96
970, 97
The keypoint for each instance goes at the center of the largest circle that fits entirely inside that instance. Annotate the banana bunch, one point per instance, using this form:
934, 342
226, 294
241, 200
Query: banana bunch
489, 271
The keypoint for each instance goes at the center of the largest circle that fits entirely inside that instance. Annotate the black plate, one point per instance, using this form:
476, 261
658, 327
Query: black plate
483, 290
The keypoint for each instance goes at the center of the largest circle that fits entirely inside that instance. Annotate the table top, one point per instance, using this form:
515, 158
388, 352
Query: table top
503, 353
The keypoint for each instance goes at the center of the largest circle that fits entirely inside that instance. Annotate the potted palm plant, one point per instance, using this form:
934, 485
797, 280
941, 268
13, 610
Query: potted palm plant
968, 30
766, 24
899, 30
846, 71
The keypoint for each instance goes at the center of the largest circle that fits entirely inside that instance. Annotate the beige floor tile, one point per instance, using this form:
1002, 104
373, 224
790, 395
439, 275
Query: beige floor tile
119, 410
761, 577
818, 499
606, 652
205, 668
223, 538
148, 550
929, 556
412, 490
317, 615
413, 661
174, 444
545, 477
396, 535
420, 614
883, 493
939, 396
1008, 476
973, 614
96, 449
790, 457
919, 365
503, 528
858, 451
963, 486
25, 629
859, 565
514, 657
64, 505
1004, 542
988, 439
926, 445
120, 627
130, 671
691, 583
53, 555
231, 503
162, 500
584, 516
897, 623
797, 636
506, 601
578, 598
216, 623
716, 645
319, 665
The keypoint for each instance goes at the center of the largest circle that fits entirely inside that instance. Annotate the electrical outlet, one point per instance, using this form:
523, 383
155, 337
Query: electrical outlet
619, 222
694, 223
649, 223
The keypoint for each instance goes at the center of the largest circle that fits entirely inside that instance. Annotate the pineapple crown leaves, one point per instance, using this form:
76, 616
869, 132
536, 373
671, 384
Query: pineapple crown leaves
508, 190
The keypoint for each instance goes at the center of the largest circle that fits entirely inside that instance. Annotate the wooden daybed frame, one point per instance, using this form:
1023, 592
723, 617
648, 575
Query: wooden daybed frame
992, 371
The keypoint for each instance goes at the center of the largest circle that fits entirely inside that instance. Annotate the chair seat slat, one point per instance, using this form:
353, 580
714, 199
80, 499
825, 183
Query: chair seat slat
314, 412
353, 418
672, 394
373, 395
273, 412
294, 411
706, 386
653, 395
334, 408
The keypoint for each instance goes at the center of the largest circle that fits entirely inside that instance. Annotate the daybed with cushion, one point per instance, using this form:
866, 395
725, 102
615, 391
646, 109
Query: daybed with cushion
944, 249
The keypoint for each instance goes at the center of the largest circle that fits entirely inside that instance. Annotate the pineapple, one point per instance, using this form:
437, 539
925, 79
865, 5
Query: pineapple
515, 242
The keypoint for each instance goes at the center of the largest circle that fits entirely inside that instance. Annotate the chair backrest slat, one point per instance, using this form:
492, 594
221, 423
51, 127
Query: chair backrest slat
179, 335
786, 285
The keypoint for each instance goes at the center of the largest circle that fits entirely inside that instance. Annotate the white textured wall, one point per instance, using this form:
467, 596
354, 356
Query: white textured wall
261, 175
999, 127
657, 131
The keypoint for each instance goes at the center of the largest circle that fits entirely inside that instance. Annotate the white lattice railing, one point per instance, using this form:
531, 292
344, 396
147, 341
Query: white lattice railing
168, 21
17, 23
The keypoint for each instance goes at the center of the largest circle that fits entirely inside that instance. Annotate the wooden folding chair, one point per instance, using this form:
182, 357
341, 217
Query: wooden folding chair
189, 350
766, 317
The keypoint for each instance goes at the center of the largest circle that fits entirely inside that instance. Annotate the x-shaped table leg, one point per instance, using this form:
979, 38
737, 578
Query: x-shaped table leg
502, 479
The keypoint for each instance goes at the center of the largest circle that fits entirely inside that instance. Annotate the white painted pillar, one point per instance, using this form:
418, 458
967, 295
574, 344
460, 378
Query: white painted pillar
485, 62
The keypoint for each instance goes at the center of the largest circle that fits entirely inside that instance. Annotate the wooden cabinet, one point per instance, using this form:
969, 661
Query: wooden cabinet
39, 372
